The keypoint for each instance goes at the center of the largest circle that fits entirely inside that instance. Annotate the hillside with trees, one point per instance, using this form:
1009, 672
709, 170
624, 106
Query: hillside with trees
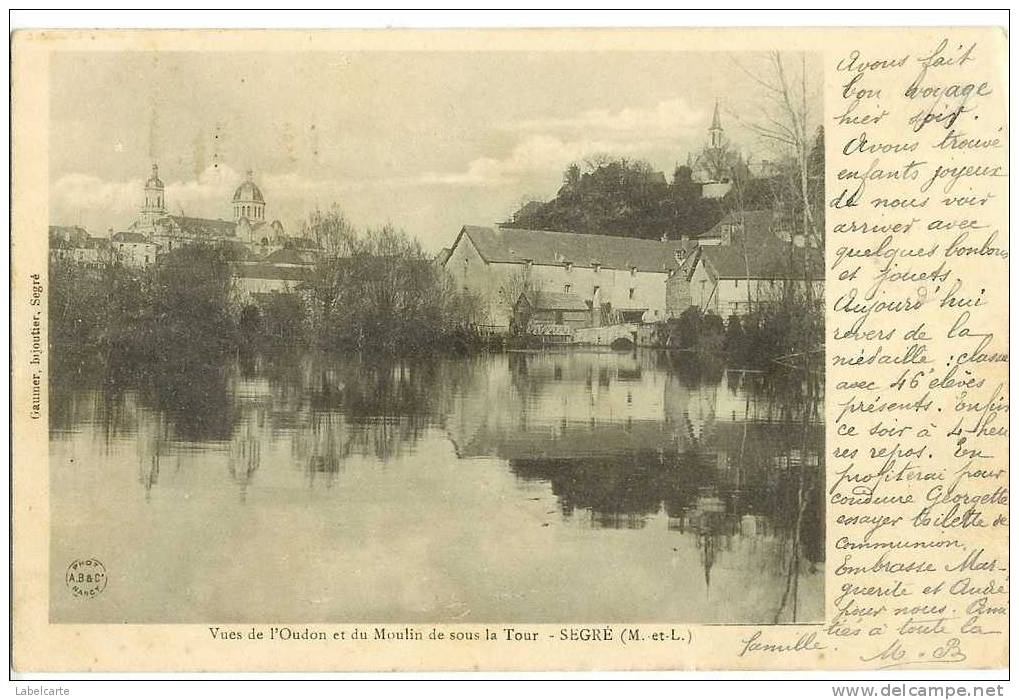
621, 197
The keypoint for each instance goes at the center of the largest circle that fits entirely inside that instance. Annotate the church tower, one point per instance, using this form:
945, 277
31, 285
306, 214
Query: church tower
715, 134
248, 201
155, 202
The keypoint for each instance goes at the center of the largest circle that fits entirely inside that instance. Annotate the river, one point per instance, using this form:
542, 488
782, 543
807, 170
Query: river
573, 486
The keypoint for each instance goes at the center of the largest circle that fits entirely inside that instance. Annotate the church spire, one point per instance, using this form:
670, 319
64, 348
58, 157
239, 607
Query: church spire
715, 132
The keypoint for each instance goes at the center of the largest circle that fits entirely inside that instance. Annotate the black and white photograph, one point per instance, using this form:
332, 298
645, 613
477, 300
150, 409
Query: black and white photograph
401, 337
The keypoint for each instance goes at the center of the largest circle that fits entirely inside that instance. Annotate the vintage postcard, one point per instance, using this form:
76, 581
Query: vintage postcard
510, 350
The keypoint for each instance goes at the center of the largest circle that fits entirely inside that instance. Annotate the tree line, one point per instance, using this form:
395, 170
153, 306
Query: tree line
370, 291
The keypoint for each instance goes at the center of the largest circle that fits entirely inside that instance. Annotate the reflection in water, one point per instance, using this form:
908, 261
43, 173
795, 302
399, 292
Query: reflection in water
710, 471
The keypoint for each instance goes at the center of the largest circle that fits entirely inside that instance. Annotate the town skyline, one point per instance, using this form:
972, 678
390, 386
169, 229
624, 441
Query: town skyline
440, 148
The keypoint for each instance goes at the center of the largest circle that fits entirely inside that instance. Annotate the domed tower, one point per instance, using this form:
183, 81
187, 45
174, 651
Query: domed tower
155, 201
248, 201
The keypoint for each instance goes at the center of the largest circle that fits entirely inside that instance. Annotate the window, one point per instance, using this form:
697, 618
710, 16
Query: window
569, 267
631, 292
146, 259
559, 317
566, 288
596, 290
633, 271
597, 267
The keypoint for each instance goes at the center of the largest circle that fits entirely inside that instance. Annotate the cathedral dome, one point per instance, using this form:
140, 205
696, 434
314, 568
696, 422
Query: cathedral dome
248, 192
248, 202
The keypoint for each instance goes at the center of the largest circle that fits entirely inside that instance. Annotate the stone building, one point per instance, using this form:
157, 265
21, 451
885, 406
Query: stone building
618, 279
550, 313
74, 244
744, 262
132, 249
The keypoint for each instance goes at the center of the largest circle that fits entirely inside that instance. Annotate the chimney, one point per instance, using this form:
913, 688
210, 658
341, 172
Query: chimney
665, 237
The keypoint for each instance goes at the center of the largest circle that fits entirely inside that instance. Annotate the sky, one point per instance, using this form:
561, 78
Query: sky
425, 141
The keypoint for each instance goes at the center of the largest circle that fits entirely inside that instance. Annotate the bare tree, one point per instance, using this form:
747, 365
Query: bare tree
739, 217
332, 231
785, 122
718, 161
518, 282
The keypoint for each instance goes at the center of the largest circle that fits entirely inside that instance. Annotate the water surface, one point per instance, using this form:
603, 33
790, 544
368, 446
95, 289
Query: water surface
524, 487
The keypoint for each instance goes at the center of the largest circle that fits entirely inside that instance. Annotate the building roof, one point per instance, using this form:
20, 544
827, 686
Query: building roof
766, 257
208, 228
755, 222
286, 256
131, 237
267, 271
248, 191
555, 301
442, 256
93, 243
584, 250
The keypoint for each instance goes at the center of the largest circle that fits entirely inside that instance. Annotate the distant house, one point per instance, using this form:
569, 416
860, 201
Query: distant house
619, 279
254, 279
742, 264
133, 249
550, 313
715, 190
74, 244
73, 235
290, 257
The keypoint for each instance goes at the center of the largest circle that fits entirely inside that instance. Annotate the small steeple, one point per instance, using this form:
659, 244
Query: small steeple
715, 132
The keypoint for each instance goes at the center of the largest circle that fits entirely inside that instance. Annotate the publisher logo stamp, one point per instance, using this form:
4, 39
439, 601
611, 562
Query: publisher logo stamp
86, 578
